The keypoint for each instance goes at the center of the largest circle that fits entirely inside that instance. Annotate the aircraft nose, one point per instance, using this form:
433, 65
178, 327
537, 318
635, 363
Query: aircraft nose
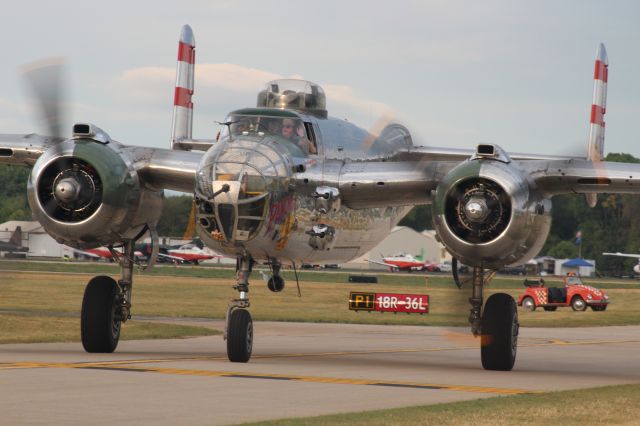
236, 182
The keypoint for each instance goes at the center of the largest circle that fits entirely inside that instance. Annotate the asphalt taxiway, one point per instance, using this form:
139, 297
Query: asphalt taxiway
297, 370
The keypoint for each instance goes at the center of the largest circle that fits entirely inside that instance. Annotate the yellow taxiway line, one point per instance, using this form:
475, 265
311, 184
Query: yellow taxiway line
130, 366
119, 366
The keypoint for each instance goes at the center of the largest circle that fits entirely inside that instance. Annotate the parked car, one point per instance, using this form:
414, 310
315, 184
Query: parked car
431, 267
444, 266
513, 270
574, 293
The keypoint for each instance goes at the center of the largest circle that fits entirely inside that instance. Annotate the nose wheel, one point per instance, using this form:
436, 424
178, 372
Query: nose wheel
239, 336
239, 325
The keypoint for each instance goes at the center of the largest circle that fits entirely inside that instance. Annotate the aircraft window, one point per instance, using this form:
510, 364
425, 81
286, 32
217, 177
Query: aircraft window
226, 213
300, 135
311, 135
252, 185
294, 131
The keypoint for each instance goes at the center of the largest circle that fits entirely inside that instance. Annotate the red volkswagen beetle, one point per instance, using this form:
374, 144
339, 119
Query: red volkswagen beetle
574, 293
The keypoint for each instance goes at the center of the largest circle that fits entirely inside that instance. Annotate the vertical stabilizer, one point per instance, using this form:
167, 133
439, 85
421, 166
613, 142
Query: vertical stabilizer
599, 106
182, 105
595, 149
16, 238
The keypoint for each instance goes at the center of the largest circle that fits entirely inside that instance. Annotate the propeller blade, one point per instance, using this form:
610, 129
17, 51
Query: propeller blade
46, 80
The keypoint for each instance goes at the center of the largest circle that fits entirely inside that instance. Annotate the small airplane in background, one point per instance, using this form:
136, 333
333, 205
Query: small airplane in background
104, 253
181, 253
15, 243
406, 262
636, 268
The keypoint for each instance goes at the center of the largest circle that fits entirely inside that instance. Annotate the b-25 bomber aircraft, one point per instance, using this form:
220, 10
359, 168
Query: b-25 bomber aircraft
287, 184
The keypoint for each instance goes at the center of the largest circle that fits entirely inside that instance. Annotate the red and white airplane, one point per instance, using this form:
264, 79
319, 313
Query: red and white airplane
103, 253
406, 262
189, 253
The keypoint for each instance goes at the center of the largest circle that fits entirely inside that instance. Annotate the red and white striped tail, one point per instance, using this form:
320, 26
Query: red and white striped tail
599, 107
182, 106
595, 149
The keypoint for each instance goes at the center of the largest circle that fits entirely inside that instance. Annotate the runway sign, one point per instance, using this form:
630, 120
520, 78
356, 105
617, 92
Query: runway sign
389, 302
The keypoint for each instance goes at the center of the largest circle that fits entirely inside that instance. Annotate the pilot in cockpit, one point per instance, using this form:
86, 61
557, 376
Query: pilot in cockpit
273, 126
293, 130
240, 127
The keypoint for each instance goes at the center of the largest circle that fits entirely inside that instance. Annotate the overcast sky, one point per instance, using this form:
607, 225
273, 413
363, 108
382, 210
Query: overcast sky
514, 73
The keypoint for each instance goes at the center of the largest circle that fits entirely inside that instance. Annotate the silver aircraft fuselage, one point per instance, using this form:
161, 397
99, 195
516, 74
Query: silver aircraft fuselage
269, 214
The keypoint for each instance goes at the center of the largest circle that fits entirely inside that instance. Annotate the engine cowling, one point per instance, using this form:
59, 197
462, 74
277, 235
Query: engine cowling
86, 193
488, 214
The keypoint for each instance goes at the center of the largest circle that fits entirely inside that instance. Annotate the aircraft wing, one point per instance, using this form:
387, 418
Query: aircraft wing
635, 256
157, 168
389, 265
168, 256
431, 154
86, 253
584, 176
23, 149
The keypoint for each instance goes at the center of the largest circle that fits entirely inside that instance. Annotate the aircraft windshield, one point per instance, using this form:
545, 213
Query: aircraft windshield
289, 131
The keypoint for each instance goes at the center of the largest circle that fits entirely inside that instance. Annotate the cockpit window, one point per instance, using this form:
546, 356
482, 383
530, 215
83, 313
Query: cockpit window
290, 131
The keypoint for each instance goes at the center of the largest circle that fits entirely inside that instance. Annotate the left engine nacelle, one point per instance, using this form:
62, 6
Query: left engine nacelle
487, 214
86, 193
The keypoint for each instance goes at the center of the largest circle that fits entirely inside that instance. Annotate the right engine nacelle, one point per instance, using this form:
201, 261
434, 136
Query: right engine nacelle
487, 214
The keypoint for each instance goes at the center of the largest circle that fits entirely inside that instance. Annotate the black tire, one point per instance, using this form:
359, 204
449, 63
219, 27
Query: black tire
99, 324
276, 283
240, 336
578, 303
550, 308
599, 307
529, 304
499, 333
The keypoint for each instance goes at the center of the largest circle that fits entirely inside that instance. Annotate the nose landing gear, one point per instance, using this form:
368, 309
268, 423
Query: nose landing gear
238, 324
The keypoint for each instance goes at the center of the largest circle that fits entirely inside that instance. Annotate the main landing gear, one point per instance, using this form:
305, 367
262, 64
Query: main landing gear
106, 305
497, 325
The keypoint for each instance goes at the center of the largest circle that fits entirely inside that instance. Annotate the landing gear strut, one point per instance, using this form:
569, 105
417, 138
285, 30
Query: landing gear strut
106, 305
238, 325
497, 325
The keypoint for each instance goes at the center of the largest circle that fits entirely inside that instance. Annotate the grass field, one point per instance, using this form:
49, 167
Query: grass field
41, 302
21, 328
606, 405
204, 293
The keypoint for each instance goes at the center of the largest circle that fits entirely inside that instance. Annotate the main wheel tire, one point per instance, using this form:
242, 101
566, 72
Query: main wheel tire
550, 308
239, 336
578, 303
528, 304
499, 343
99, 323
276, 283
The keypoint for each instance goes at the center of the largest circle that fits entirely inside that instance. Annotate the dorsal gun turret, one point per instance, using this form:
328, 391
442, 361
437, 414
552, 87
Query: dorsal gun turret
299, 95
